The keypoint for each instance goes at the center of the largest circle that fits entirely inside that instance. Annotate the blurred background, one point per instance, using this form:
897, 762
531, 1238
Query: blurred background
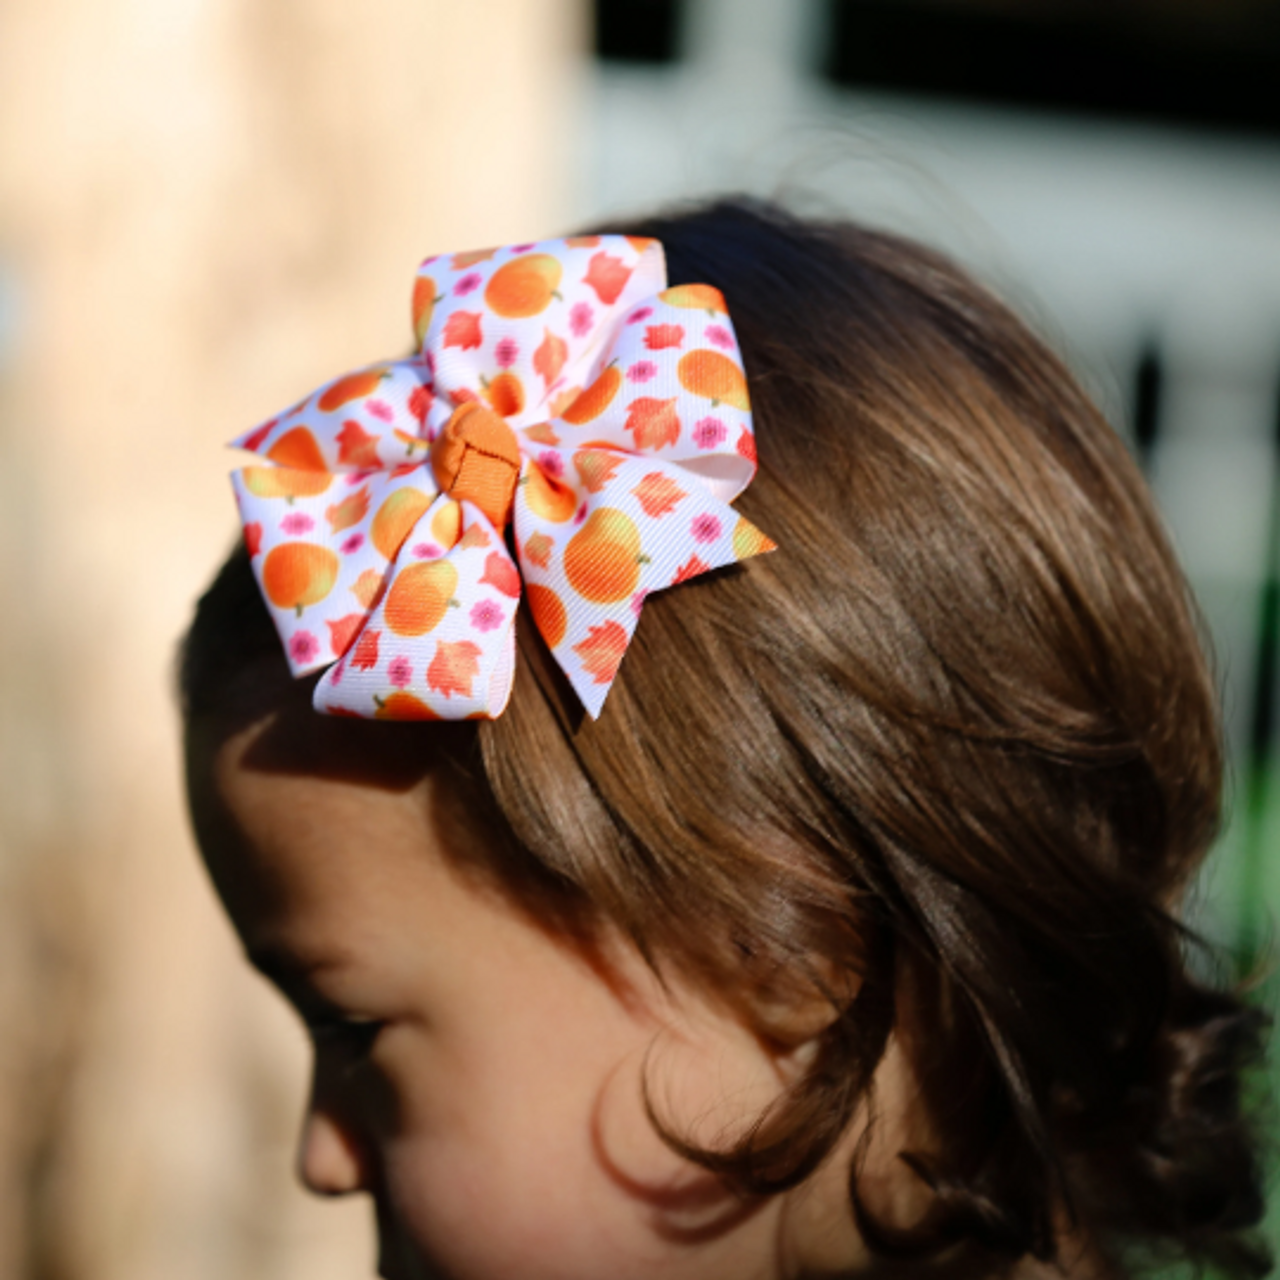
207, 209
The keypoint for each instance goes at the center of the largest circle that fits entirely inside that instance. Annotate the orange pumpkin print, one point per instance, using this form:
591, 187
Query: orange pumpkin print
708, 373
424, 305
298, 574
524, 286
395, 518
446, 524
548, 612
547, 498
355, 386
284, 482
298, 448
602, 560
420, 596
402, 706
695, 297
505, 394
748, 541
595, 399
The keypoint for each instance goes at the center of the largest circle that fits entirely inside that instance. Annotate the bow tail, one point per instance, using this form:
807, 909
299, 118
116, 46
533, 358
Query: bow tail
439, 642
641, 525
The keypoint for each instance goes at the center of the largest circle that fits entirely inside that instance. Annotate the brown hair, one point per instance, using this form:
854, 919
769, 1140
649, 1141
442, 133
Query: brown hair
956, 738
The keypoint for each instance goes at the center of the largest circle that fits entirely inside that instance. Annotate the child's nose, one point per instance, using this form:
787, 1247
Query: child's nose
329, 1159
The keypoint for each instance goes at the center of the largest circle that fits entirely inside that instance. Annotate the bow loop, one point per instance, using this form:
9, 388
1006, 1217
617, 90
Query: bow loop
561, 386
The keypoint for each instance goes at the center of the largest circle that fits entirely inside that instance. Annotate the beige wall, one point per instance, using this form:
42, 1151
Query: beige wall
205, 210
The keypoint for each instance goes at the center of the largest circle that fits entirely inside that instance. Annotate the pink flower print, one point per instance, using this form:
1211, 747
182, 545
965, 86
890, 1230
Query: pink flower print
709, 432
352, 544
637, 602
580, 515
468, 284
380, 409
643, 313
400, 671
580, 319
486, 615
521, 248
506, 353
642, 371
428, 551
303, 647
705, 528
721, 336
426, 262
551, 463
297, 522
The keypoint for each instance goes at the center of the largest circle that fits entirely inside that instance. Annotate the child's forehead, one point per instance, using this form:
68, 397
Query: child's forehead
266, 723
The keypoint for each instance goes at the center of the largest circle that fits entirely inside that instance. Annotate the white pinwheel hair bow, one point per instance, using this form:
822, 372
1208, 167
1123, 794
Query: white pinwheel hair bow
560, 385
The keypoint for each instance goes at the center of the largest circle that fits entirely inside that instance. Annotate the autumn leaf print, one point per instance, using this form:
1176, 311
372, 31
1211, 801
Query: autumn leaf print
462, 329
500, 573
691, 568
255, 438
473, 257
596, 467
658, 337
368, 588
455, 666
550, 356
343, 631
658, 494
365, 657
541, 433
601, 652
357, 447
253, 538
538, 550
747, 445
419, 403
351, 510
473, 536
655, 423
608, 276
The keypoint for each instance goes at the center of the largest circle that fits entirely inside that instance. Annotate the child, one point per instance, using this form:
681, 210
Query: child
845, 938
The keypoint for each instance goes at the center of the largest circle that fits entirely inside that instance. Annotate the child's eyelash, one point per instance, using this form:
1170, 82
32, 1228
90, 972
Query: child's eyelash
355, 1036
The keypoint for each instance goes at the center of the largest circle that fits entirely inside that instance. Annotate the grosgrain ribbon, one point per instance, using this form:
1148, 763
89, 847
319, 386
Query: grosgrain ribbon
561, 384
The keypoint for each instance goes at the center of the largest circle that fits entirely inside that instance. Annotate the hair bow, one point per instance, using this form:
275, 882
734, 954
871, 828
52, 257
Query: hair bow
560, 386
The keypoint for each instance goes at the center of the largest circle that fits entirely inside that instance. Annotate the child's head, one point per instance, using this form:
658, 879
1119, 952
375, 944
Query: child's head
857, 891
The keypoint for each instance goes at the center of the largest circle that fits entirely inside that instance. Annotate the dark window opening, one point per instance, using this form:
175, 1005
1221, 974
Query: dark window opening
644, 31
1201, 62
1146, 403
